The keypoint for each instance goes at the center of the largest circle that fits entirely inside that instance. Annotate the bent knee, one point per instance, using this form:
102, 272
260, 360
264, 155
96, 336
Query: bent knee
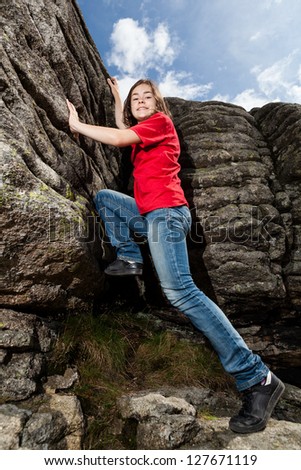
174, 294
101, 196
182, 293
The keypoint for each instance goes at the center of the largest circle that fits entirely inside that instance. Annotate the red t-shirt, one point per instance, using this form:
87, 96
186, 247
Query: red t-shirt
156, 166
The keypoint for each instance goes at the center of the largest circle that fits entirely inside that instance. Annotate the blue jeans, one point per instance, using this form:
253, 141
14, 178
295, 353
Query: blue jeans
166, 230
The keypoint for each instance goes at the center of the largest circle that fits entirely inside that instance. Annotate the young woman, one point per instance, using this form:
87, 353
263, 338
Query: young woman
159, 211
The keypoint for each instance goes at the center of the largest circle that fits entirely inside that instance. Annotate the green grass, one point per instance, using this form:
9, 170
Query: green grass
165, 359
118, 353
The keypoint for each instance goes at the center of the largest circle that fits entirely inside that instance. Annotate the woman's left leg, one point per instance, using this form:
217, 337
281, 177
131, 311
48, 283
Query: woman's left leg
167, 230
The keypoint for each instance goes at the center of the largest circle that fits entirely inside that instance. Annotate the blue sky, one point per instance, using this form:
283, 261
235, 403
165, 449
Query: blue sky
246, 52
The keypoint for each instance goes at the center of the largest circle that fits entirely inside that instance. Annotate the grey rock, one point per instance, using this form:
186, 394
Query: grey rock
57, 422
55, 383
276, 436
170, 432
153, 405
12, 421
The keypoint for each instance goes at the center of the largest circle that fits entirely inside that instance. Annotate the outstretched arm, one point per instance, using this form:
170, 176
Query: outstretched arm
106, 135
118, 103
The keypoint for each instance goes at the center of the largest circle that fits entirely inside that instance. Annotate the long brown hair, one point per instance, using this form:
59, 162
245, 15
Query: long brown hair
161, 104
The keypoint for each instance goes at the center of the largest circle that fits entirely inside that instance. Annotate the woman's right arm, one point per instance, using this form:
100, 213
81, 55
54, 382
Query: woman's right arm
118, 103
106, 135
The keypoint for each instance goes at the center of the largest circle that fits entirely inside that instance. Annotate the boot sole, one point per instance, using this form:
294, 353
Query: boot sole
123, 273
275, 397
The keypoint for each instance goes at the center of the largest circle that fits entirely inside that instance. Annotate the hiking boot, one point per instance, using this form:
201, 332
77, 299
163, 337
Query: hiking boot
258, 403
122, 267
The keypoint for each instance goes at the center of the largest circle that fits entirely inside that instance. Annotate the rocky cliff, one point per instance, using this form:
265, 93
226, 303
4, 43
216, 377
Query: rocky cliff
51, 255
240, 170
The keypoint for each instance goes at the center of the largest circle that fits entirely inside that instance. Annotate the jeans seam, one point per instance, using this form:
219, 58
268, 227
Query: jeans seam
116, 206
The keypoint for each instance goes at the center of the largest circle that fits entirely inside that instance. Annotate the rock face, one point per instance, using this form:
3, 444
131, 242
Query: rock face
51, 245
245, 200
240, 171
34, 414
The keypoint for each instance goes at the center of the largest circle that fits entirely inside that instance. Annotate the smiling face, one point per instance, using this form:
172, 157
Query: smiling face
143, 94
143, 102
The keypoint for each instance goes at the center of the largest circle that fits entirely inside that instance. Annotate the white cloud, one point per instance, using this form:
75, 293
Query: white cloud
135, 50
179, 84
250, 98
256, 36
130, 45
162, 44
247, 99
294, 94
220, 97
281, 78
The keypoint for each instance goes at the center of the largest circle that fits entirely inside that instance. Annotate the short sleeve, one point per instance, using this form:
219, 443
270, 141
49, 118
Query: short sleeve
153, 130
